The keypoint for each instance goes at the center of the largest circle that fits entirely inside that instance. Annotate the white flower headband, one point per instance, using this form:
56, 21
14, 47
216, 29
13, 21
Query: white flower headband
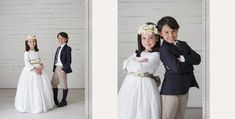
30, 36
149, 29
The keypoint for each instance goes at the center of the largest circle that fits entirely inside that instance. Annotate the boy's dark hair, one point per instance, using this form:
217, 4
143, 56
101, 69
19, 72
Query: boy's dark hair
167, 20
64, 35
141, 47
27, 48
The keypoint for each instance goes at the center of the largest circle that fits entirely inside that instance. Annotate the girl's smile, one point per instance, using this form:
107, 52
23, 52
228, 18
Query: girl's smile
31, 43
148, 41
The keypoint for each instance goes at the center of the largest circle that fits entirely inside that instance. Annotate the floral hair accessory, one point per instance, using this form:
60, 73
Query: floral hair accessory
30, 36
149, 29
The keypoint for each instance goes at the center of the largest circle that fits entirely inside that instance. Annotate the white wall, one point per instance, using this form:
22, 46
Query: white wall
45, 19
188, 13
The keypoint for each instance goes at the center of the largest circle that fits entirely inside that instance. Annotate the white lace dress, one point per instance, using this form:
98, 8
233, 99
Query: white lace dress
139, 97
34, 91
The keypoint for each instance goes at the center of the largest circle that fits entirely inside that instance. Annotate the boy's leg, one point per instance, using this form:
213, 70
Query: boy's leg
64, 84
64, 101
182, 106
55, 78
54, 82
169, 106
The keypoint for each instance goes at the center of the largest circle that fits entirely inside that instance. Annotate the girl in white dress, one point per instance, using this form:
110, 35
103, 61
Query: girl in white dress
139, 96
34, 91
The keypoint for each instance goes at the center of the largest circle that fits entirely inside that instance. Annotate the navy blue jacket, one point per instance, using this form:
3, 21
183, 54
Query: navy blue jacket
65, 57
179, 76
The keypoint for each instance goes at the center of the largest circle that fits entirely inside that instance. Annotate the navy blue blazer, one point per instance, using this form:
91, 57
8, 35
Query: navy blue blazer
65, 57
179, 76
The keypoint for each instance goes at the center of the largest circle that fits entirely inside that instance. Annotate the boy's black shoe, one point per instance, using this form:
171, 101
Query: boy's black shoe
62, 103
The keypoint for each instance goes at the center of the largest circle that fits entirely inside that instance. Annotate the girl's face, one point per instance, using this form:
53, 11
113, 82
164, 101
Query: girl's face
148, 41
61, 40
169, 34
32, 43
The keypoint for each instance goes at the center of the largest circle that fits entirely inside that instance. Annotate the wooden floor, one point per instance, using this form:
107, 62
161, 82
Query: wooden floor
74, 110
193, 113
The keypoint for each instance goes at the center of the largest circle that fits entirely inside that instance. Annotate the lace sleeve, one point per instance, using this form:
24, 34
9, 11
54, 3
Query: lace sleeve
136, 66
125, 63
28, 65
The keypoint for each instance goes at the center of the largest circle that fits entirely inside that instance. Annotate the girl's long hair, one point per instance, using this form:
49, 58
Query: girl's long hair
141, 47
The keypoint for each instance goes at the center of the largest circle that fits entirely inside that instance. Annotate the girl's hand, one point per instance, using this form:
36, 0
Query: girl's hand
35, 69
144, 60
38, 70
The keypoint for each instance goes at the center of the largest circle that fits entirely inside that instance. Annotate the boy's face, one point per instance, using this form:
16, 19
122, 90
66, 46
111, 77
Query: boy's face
169, 34
61, 40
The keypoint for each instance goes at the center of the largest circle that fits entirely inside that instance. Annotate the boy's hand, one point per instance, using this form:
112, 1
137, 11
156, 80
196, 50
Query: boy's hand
61, 71
181, 58
157, 80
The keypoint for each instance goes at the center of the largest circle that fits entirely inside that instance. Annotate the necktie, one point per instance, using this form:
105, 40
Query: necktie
56, 54
178, 46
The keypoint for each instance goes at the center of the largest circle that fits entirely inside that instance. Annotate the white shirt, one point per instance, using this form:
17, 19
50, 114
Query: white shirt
175, 42
59, 63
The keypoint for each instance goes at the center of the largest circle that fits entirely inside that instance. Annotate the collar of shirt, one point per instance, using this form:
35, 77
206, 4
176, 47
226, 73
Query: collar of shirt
59, 63
62, 45
176, 42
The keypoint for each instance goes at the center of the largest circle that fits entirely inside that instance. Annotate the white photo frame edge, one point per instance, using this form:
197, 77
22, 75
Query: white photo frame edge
88, 48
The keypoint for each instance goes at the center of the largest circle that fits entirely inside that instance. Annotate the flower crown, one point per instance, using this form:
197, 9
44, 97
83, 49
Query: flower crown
149, 29
29, 36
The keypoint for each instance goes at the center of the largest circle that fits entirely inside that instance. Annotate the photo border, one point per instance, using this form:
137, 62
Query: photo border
206, 82
88, 59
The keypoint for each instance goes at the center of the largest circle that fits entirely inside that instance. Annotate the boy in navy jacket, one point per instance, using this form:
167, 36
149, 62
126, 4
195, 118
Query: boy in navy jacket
178, 59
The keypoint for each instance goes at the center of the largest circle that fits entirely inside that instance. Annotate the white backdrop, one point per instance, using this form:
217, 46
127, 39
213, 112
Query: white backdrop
188, 13
45, 19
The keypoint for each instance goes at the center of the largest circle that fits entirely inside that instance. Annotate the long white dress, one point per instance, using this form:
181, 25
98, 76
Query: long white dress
34, 91
139, 97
